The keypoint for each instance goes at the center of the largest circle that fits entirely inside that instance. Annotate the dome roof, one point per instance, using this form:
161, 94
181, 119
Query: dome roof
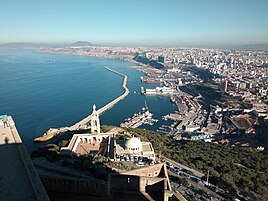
133, 142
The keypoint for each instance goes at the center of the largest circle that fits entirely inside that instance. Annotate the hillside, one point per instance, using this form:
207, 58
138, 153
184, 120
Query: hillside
232, 169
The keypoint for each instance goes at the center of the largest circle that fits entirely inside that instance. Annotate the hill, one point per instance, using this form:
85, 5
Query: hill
83, 43
233, 169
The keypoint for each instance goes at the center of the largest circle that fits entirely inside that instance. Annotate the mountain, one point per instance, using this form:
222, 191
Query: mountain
83, 43
26, 45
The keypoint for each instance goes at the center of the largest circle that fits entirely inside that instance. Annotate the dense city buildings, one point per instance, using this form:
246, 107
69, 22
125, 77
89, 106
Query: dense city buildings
217, 92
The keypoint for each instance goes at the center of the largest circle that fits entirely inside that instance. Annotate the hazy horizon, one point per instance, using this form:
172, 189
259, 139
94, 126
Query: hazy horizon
136, 23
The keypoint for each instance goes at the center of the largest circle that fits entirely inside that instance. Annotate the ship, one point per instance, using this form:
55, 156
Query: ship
172, 99
160, 91
143, 117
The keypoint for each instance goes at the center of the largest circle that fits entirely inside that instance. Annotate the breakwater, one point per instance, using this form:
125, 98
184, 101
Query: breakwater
82, 124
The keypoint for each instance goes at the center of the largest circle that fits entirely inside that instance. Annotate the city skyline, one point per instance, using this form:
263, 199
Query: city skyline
149, 23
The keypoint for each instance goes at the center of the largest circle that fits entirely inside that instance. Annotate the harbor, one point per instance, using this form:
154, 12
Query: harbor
83, 123
143, 117
158, 91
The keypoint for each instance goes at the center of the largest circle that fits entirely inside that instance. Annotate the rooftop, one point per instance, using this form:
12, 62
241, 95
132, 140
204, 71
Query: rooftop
19, 180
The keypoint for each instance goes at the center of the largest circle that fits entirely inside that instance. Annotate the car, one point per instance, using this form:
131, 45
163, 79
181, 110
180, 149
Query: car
131, 158
145, 159
127, 158
169, 165
183, 174
177, 168
140, 164
149, 161
172, 169
196, 179
152, 162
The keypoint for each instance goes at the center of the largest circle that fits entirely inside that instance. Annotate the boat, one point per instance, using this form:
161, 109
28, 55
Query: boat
160, 91
143, 117
172, 99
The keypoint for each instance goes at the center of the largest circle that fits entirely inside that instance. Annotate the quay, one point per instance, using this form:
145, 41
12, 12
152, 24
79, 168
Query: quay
81, 124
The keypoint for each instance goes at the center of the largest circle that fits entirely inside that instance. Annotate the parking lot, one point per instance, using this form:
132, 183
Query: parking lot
195, 186
133, 162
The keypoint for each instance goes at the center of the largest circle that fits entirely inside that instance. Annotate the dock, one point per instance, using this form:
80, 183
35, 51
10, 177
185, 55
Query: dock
81, 124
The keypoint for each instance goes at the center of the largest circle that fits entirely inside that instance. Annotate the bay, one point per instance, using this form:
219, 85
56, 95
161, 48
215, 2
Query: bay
42, 90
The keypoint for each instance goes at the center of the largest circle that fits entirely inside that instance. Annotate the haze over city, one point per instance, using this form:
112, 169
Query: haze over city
136, 23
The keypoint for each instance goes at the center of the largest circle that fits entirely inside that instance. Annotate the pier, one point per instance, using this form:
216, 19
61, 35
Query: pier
107, 106
55, 131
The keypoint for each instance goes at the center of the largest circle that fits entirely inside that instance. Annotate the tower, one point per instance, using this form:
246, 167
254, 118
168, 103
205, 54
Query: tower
95, 121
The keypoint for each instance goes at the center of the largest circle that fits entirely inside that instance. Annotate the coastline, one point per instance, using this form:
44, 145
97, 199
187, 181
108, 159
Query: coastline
106, 56
128, 58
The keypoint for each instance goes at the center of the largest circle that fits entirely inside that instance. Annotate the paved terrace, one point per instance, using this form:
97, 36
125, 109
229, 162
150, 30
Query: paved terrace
18, 177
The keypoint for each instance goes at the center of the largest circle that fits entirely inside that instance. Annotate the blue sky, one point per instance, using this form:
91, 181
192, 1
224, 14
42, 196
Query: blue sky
139, 22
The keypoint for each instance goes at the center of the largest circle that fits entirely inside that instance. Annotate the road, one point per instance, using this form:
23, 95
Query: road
196, 173
196, 185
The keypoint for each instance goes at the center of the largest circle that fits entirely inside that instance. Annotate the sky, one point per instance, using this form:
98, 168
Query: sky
135, 22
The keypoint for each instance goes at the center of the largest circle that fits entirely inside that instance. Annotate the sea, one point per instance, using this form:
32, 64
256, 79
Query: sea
44, 90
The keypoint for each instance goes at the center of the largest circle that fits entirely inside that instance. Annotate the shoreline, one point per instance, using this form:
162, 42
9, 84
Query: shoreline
97, 56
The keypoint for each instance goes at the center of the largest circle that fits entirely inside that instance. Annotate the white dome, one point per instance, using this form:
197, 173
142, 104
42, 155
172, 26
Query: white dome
133, 143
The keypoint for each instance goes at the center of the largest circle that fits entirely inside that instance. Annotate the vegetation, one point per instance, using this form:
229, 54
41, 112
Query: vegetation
157, 139
105, 128
232, 169
94, 166
182, 181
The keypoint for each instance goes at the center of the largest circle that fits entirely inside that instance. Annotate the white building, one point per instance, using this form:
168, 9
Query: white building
91, 143
134, 147
106, 144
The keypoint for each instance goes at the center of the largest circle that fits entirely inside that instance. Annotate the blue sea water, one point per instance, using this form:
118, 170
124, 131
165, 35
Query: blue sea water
42, 90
